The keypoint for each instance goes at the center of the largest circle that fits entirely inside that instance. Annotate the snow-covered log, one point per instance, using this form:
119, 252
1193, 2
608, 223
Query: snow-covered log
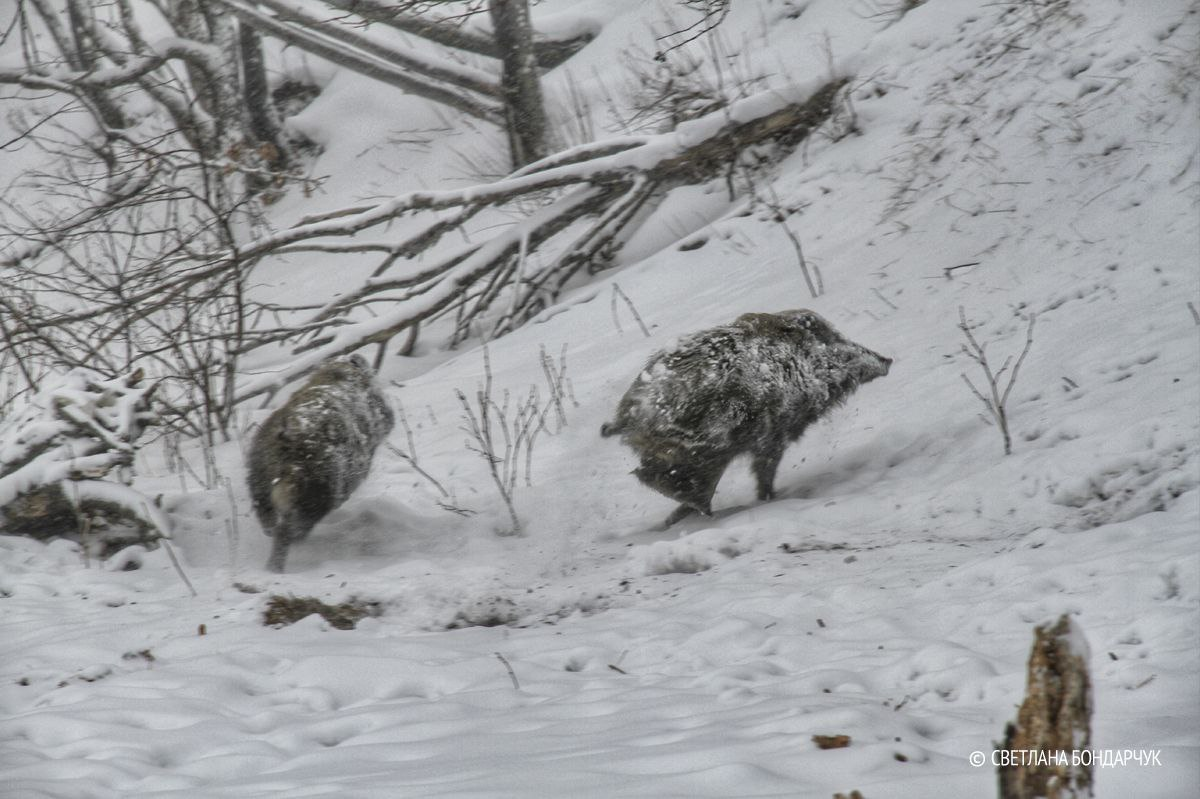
57, 450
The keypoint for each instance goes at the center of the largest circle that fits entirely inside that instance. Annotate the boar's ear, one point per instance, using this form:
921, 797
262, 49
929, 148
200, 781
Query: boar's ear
609, 429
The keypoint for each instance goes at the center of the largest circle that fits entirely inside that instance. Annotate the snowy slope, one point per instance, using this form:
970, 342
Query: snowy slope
889, 594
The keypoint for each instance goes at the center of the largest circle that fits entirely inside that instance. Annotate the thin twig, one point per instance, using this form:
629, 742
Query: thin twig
779, 215
512, 675
1012, 378
884, 299
411, 461
612, 307
411, 456
232, 505
997, 403
555, 380
949, 269
804, 270
166, 544
617, 292
479, 427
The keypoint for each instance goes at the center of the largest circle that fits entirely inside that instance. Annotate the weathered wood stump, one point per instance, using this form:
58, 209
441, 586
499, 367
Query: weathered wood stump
1054, 722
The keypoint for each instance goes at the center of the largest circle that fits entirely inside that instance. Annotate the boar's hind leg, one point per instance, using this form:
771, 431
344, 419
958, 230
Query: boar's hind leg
281, 539
279, 550
764, 465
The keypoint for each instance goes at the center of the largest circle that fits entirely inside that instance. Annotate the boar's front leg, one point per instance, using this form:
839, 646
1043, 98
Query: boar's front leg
765, 464
680, 513
700, 487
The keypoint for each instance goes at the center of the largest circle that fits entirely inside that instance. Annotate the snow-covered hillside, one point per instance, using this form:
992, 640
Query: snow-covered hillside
1012, 159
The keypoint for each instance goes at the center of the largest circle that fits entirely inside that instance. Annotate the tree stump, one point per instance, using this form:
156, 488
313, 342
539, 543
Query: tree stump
1054, 722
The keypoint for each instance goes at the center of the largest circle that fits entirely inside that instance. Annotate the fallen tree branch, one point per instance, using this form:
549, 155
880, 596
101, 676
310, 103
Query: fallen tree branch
613, 185
699, 150
585, 202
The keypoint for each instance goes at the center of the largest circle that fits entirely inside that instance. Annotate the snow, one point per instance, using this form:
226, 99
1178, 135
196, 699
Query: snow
891, 591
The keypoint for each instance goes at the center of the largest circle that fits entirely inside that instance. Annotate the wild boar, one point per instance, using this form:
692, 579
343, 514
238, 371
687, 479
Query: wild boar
752, 386
311, 453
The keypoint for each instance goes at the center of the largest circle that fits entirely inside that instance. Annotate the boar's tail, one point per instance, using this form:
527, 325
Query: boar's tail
286, 529
283, 495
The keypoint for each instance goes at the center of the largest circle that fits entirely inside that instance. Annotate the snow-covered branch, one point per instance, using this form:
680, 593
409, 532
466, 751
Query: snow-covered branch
549, 52
439, 69
75, 430
372, 59
700, 147
130, 71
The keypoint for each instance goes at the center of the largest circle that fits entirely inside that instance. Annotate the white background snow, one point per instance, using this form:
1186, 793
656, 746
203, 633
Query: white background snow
889, 594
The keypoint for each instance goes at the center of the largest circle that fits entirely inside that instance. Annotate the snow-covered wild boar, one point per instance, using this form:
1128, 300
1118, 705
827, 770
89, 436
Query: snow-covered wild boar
752, 386
311, 453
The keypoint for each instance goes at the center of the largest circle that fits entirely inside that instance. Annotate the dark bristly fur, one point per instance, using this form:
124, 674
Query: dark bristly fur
312, 452
748, 387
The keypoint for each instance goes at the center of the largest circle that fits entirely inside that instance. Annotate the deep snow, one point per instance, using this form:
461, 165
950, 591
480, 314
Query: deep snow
890, 594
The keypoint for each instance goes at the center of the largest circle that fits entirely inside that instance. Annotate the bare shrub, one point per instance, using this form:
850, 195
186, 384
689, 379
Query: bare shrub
779, 215
409, 456
996, 399
637, 317
503, 433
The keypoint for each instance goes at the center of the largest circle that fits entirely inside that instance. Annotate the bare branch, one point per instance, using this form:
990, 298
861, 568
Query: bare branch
441, 70
997, 401
549, 53
369, 64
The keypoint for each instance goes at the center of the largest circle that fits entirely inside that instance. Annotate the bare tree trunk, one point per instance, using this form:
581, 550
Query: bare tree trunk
524, 112
263, 119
